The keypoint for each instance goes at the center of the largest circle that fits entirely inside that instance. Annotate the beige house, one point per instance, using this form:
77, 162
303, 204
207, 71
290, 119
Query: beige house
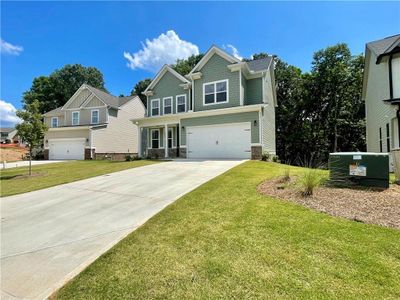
93, 124
381, 93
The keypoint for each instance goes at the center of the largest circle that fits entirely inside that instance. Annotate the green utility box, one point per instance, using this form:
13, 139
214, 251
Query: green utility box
359, 168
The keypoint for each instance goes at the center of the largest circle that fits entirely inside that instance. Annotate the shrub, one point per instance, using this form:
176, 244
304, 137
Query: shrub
148, 157
310, 180
265, 156
275, 158
128, 158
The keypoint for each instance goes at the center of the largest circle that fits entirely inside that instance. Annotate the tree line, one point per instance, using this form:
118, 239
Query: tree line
319, 111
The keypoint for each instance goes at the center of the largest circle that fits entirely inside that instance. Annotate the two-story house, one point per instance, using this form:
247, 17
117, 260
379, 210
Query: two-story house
224, 108
93, 124
381, 93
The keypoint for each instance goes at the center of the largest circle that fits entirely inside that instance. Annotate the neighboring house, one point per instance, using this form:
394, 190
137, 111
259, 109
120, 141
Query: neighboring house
9, 135
93, 124
224, 108
381, 93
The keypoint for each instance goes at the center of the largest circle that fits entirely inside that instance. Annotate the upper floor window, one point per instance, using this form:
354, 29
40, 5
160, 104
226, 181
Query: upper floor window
155, 107
54, 122
75, 118
167, 105
215, 92
180, 103
95, 116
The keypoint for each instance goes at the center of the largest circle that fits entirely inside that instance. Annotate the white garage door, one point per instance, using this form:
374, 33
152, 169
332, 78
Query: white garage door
219, 141
67, 149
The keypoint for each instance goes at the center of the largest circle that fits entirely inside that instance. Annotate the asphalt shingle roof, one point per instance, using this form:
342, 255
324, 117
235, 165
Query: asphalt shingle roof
7, 129
385, 45
259, 64
110, 99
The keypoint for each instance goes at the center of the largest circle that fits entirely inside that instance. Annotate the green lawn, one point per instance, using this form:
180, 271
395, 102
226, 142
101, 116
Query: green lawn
58, 173
224, 240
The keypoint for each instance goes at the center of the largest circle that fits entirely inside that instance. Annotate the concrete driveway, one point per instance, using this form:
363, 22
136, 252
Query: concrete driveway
49, 236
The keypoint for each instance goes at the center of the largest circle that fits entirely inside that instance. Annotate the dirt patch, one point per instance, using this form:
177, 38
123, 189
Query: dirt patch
12, 153
16, 177
363, 205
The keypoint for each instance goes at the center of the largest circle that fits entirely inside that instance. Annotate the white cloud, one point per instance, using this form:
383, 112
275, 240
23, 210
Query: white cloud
7, 114
8, 48
233, 50
165, 49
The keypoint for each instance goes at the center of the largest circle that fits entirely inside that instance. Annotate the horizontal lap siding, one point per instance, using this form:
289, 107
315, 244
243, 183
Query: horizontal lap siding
378, 112
167, 86
253, 91
120, 135
85, 116
214, 70
224, 119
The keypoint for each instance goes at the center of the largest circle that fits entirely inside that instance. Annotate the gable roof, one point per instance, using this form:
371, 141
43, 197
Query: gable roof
54, 112
210, 52
259, 65
385, 46
7, 129
161, 73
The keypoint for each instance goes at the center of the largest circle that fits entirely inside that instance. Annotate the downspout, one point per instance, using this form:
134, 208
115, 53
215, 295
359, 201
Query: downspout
398, 125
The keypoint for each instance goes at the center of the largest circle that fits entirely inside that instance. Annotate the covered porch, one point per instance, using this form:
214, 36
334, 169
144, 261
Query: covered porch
161, 141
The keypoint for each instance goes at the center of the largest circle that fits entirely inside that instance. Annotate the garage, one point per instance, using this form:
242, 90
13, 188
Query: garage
219, 141
67, 149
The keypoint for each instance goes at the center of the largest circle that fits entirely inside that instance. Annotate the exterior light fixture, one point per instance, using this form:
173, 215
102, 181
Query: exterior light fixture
255, 122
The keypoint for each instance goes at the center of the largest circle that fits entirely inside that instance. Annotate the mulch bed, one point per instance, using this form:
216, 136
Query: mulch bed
362, 205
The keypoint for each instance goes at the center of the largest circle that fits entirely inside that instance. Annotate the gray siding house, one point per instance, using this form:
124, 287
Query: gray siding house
224, 108
93, 124
381, 93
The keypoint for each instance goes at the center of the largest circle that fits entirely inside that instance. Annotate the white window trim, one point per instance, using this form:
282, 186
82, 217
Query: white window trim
151, 106
215, 92
151, 138
172, 138
91, 116
176, 98
72, 118
54, 118
172, 101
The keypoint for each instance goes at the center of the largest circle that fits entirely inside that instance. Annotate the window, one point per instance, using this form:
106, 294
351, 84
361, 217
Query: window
54, 122
167, 105
387, 138
180, 103
155, 107
215, 92
95, 116
380, 140
155, 138
75, 118
170, 139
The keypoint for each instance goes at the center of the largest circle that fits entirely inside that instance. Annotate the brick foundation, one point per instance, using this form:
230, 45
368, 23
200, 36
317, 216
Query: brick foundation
182, 153
112, 156
88, 152
256, 152
46, 154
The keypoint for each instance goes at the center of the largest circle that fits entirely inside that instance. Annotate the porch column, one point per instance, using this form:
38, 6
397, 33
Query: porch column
139, 142
166, 140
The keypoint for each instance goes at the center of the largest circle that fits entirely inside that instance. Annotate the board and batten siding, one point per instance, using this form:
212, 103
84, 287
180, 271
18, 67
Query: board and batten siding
378, 113
80, 98
120, 135
167, 86
224, 119
216, 69
253, 91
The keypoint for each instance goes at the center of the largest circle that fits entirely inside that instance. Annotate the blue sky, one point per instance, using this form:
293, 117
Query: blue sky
39, 37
